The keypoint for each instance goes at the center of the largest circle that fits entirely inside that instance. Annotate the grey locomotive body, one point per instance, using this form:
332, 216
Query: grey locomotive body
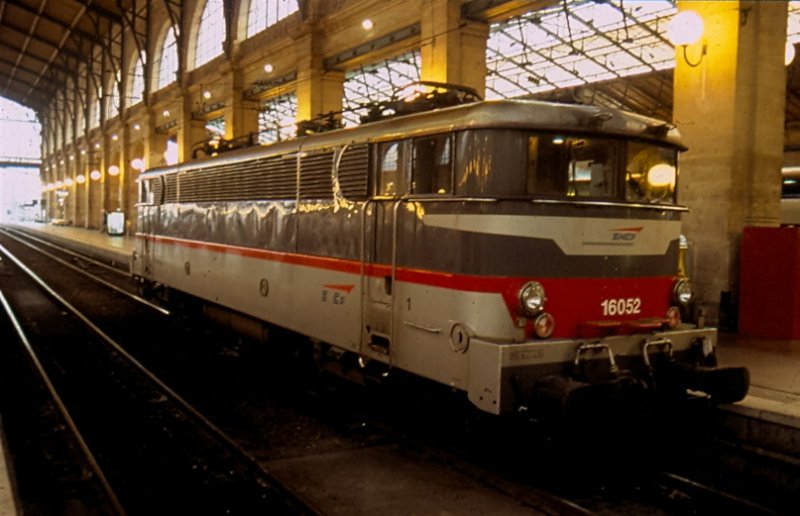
510, 249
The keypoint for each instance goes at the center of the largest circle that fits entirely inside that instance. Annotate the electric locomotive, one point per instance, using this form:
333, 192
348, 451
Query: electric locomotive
525, 253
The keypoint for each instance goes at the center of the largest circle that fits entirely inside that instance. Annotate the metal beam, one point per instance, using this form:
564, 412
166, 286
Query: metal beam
376, 44
500, 10
39, 39
36, 73
112, 16
65, 71
52, 19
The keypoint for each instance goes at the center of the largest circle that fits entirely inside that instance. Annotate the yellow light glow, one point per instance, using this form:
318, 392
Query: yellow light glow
685, 28
268, 68
206, 95
661, 175
367, 24
80, 179
94, 175
113, 170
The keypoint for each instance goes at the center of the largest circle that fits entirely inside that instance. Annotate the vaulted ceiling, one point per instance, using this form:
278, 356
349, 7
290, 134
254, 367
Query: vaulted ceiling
43, 43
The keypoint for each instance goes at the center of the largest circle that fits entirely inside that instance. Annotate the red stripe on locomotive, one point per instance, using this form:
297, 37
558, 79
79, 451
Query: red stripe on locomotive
572, 301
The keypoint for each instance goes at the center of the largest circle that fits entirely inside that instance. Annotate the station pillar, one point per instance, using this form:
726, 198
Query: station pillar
319, 91
241, 116
453, 49
191, 132
729, 102
154, 142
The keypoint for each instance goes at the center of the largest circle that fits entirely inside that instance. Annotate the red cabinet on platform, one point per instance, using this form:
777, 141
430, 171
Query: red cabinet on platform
769, 294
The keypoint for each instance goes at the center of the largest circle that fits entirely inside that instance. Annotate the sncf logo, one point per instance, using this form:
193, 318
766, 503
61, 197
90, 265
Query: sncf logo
625, 234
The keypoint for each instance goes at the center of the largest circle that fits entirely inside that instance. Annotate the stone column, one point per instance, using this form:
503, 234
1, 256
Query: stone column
318, 91
191, 132
241, 116
453, 50
155, 143
729, 106
95, 196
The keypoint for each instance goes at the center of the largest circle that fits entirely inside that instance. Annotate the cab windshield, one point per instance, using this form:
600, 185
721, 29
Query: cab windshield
600, 168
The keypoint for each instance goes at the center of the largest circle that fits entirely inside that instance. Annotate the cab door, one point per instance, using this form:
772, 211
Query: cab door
391, 171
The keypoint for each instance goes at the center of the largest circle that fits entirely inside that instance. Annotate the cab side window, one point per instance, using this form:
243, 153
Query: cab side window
433, 165
392, 168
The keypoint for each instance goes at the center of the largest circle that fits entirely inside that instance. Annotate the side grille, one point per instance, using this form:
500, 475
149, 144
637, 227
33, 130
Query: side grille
353, 170
268, 178
316, 176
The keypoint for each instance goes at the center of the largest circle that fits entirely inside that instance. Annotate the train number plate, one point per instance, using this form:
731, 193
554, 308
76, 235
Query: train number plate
622, 306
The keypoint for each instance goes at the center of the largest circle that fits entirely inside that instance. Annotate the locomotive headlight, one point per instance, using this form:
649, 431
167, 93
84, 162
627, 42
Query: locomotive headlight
682, 291
532, 298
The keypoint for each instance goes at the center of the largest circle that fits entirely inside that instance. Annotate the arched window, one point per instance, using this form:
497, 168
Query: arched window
98, 106
137, 83
113, 98
168, 66
264, 13
211, 34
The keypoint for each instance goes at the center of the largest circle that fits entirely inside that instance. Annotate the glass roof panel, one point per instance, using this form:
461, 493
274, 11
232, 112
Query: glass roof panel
577, 42
276, 119
375, 82
793, 25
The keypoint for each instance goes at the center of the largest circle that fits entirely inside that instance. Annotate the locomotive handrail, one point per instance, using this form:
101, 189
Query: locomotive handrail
395, 211
596, 347
649, 343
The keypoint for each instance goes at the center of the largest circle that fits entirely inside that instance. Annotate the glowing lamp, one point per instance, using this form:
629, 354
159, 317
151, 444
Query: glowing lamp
137, 164
94, 175
685, 28
80, 179
661, 175
113, 170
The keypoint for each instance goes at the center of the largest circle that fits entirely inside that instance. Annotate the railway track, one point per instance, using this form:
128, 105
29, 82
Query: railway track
157, 450
301, 434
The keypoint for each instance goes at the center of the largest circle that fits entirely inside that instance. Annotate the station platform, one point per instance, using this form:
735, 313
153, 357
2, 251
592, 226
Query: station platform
93, 242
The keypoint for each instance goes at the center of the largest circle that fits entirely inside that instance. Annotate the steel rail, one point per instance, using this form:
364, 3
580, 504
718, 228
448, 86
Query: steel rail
752, 507
62, 408
103, 282
225, 439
